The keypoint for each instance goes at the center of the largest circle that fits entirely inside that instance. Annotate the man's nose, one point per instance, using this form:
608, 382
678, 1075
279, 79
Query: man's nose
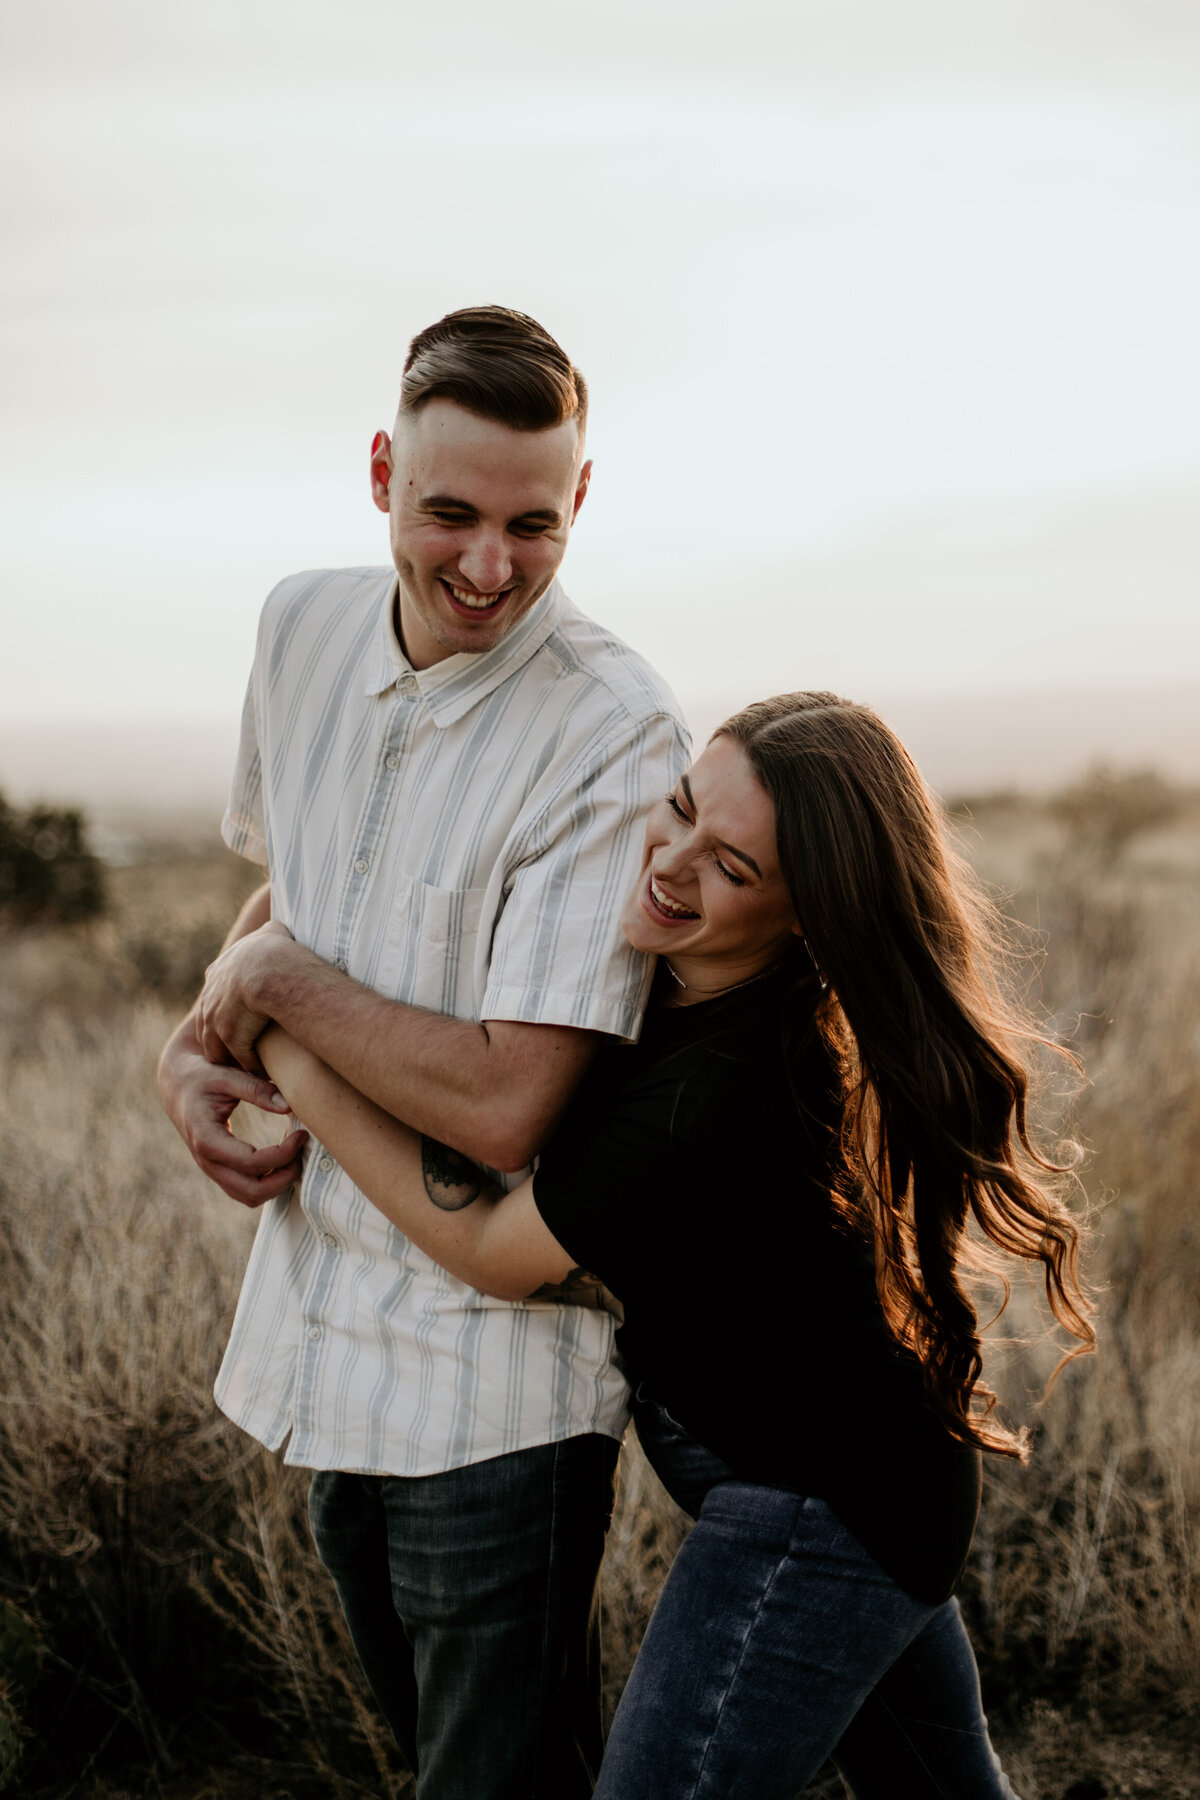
486, 564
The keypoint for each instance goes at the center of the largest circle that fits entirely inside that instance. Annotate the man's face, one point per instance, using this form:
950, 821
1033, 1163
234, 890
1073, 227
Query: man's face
478, 519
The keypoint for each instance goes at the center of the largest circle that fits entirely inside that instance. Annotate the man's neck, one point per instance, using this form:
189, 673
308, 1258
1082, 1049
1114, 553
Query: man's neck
420, 650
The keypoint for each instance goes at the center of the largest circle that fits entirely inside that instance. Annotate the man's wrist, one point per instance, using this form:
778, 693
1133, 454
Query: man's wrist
183, 1041
270, 980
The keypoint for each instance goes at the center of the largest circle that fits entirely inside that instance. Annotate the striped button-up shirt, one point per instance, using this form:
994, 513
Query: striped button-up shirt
462, 838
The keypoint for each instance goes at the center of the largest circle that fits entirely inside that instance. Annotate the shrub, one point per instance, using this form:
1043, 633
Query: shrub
1106, 809
47, 869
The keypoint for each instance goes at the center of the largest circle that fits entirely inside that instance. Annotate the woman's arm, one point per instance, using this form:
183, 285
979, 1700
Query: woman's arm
494, 1241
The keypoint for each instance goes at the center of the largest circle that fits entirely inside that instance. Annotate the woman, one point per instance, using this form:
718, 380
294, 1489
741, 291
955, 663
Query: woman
776, 1182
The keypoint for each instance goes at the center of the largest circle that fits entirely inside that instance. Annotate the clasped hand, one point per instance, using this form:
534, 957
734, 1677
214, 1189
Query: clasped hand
229, 1018
201, 1084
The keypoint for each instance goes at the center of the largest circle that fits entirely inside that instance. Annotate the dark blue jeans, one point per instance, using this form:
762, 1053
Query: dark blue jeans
778, 1642
471, 1600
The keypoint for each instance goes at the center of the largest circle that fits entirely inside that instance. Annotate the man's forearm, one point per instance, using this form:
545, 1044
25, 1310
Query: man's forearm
255, 912
492, 1091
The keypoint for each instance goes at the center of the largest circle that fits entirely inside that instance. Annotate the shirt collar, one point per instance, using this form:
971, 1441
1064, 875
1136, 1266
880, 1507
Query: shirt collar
452, 687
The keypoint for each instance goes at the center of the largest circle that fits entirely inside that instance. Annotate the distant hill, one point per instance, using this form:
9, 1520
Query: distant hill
964, 742
1032, 740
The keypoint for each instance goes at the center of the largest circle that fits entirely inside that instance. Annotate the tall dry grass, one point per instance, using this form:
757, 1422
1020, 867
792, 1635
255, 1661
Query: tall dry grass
137, 1520
193, 1645
1082, 1591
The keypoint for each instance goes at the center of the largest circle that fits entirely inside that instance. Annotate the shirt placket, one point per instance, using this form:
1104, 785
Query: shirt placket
324, 1177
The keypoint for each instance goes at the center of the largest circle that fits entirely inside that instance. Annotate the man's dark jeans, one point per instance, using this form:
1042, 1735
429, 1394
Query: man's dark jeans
471, 1599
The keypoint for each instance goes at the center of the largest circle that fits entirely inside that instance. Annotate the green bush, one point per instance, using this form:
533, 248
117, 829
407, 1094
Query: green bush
48, 870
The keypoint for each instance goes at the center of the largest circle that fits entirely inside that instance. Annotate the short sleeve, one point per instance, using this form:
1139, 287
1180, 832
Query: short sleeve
244, 827
559, 956
601, 1180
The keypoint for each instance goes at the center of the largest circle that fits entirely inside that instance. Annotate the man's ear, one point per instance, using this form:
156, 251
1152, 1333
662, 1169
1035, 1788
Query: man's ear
581, 488
381, 470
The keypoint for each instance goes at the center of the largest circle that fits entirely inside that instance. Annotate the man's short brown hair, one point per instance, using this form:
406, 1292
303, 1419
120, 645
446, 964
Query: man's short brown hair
498, 363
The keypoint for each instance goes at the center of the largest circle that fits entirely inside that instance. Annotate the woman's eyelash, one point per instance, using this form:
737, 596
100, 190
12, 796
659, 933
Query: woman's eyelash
731, 878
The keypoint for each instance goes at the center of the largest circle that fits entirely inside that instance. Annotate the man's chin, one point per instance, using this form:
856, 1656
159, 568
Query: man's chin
474, 640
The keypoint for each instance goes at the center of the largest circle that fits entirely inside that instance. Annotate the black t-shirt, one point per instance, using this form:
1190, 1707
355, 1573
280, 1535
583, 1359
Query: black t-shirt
691, 1182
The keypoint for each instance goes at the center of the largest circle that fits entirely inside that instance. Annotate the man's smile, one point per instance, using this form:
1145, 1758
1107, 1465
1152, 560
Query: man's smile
468, 599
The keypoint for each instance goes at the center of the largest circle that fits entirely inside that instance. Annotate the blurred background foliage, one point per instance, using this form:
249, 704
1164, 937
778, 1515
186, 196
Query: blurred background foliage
167, 1630
47, 869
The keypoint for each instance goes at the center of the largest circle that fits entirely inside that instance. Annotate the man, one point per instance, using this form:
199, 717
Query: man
444, 767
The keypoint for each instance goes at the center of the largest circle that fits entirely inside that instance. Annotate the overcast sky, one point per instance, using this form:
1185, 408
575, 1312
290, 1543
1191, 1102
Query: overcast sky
890, 313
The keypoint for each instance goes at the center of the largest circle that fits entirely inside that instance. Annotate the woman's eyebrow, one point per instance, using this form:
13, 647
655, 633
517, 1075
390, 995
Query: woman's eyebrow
742, 855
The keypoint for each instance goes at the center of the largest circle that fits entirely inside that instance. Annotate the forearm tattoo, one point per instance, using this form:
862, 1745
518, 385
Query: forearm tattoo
451, 1180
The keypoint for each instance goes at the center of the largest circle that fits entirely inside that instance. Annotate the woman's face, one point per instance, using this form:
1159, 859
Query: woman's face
711, 896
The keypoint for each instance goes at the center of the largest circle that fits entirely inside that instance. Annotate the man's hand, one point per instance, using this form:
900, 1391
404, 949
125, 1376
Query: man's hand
199, 1098
228, 1017
491, 1090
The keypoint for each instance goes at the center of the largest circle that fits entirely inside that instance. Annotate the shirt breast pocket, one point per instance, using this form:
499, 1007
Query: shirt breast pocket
432, 939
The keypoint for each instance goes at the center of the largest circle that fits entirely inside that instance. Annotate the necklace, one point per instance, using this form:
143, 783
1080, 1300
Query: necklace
717, 992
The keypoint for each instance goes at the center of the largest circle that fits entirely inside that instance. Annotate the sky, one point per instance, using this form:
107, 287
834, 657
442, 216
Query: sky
890, 315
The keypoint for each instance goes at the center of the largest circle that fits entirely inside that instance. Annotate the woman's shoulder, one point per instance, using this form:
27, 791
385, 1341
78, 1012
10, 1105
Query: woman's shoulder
749, 1066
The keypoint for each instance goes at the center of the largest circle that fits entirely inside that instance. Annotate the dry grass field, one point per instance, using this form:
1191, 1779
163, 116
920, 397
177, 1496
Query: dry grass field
189, 1646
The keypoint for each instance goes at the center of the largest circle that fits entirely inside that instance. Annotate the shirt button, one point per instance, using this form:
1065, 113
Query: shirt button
314, 1332
328, 1238
342, 965
325, 1164
392, 762
361, 866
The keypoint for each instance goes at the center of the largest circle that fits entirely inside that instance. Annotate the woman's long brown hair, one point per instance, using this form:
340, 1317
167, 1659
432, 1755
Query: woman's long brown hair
932, 1052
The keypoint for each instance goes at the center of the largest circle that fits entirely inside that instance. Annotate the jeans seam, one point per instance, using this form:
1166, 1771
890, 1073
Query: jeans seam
741, 1656
547, 1602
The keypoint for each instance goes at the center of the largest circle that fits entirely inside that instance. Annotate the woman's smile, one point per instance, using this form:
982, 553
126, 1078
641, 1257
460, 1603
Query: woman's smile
710, 896
673, 912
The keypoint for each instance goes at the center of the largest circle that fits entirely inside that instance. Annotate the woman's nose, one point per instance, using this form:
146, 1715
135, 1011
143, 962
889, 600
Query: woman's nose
672, 860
